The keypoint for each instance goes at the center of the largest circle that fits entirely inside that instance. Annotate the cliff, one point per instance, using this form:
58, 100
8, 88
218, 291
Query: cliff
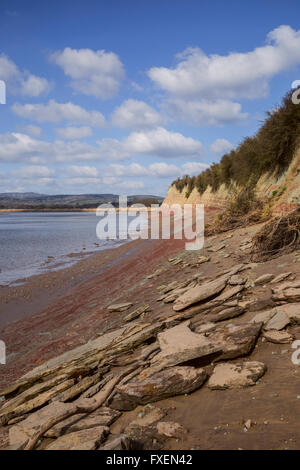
283, 190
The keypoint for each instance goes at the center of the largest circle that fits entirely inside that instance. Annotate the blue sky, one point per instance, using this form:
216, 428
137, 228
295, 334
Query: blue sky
123, 97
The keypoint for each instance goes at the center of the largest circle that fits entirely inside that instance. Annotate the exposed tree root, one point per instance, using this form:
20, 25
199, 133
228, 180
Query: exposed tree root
280, 235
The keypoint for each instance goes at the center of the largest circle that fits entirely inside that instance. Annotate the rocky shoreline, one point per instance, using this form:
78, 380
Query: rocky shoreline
193, 350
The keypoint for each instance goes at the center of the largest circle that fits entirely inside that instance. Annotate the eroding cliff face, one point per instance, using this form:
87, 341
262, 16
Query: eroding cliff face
283, 190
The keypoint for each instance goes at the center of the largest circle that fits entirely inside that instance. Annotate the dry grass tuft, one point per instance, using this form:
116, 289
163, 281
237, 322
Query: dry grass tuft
280, 235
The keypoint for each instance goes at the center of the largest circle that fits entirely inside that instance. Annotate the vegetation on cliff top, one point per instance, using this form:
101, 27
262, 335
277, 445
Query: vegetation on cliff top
270, 149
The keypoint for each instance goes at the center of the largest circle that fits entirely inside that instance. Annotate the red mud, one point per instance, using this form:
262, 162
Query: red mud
79, 314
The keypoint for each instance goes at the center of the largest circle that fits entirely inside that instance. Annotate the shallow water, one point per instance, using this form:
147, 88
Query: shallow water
33, 242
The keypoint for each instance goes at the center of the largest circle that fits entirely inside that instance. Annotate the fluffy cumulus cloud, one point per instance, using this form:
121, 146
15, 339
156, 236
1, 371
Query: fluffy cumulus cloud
56, 112
74, 133
33, 130
16, 147
193, 168
204, 112
80, 175
34, 171
96, 73
78, 171
201, 88
33, 85
156, 170
134, 114
235, 75
32, 175
163, 169
131, 185
21, 82
163, 143
134, 169
158, 143
221, 146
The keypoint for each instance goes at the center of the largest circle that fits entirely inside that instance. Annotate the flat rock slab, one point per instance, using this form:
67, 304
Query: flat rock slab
292, 311
160, 385
101, 417
239, 375
264, 317
136, 313
92, 347
214, 249
199, 293
147, 416
170, 429
122, 442
87, 439
281, 277
205, 327
38, 401
235, 340
179, 345
264, 279
279, 321
21, 432
237, 280
203, 259
226, 314
120, 307
31, 393
287, 292
279, 337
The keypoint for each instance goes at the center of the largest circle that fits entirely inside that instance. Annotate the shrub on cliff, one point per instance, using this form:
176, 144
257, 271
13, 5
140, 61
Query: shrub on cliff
270, 149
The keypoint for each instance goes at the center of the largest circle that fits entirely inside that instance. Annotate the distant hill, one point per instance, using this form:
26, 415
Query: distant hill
35, 201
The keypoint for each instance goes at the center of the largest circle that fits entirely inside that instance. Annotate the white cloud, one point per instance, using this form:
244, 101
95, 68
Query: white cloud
204, 112
159, 143
162, 169
19, 81
233, 75
134, 169
162, 143
97, 73
57, 112
132, 185
31, 171
201, 88
109, 180
19, 147
134, 114
35, 131
34, 86
8, 69
221, 146
193, 168
73, 133
81, 181
154, 170
82, 171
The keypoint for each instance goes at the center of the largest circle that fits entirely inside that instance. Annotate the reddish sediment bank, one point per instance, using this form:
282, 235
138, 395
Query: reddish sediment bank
59, 310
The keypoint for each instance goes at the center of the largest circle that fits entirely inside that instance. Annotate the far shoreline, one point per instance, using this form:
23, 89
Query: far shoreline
117, 209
